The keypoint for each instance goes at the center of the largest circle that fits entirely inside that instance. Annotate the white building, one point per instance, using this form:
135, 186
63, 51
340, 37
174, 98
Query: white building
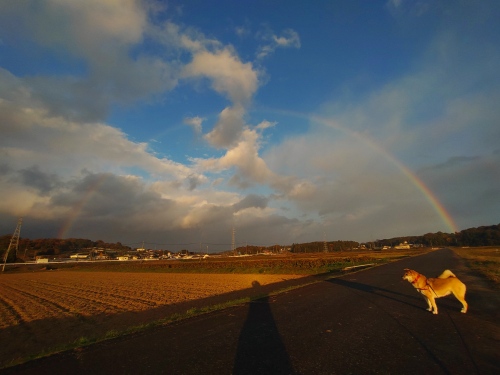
401, 246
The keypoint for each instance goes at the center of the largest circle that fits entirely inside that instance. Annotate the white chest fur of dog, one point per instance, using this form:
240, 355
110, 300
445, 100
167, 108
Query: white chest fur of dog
433, 288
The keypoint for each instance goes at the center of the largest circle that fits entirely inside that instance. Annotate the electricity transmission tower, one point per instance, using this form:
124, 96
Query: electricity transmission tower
233, 241
14, 241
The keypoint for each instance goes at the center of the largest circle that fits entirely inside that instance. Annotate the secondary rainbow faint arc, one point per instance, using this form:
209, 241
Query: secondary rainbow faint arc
77, 209
418, 183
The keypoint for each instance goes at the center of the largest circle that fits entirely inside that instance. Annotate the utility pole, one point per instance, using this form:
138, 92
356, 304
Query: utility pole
14, 241
233, 241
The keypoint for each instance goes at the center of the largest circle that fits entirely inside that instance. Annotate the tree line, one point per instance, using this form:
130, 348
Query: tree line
480, 236
29, 249
318, 246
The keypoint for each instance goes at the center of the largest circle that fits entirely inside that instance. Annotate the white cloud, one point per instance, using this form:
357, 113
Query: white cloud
195, 123
228, 129
229, 75
82, 27
288, 39
244, 156
394, 3
404, 8
179, 39
33, 135
242, 31
266, 124
97, 35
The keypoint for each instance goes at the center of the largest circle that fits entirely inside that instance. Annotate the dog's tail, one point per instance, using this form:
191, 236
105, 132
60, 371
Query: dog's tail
446, 274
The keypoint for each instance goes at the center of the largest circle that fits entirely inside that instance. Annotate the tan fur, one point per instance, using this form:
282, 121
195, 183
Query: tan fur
433, 288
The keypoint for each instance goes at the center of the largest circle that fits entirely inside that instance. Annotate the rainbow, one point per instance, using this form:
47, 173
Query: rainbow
415, 181
428, 193
422, 187
77, 209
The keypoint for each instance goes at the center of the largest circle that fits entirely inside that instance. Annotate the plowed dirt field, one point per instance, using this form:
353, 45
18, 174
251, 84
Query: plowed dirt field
50, 309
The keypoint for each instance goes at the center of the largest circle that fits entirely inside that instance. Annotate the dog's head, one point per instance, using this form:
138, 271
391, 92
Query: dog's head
409, 275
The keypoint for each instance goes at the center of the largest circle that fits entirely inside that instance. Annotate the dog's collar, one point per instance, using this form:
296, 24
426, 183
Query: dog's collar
414, 281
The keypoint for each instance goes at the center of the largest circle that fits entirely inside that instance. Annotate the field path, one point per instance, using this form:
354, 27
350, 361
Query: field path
367, 322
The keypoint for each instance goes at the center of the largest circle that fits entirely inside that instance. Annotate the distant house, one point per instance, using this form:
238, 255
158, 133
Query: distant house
79, 256
402, 246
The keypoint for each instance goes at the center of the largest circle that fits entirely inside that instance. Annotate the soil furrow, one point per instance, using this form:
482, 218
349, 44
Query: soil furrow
8, 314
21, 308
100, 293
88, 298
37, 301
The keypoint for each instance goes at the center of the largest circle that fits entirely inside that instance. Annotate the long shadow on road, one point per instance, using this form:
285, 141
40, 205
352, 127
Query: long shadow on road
386, 293
260, 347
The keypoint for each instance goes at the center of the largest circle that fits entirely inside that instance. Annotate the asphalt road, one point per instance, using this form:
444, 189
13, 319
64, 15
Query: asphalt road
368, 322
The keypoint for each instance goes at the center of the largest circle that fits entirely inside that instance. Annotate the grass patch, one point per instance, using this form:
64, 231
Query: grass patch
484, 260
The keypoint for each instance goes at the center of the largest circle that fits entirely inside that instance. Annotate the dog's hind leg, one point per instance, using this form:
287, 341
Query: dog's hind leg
460, 295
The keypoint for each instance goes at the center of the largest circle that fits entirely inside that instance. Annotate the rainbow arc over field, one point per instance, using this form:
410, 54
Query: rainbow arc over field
407, 172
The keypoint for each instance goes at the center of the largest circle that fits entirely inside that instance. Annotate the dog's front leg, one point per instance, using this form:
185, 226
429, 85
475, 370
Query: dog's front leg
433, 304
428, 303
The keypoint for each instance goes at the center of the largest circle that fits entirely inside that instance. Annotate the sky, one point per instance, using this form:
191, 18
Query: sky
171, 123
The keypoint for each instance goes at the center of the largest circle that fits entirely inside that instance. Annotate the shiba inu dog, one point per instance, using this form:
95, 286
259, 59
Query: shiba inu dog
433, 288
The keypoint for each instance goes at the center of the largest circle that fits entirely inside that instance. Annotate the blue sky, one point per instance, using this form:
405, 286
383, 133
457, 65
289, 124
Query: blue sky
171, 122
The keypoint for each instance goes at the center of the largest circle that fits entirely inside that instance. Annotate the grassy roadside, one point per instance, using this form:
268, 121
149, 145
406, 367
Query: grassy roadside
484, 260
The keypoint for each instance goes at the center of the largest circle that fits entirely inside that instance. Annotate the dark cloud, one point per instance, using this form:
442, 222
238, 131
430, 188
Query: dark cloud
468, 187
239, 181
193, 182
43, 182
455, 161
70, 97
4, 169
31, 228
106, 194
251, 200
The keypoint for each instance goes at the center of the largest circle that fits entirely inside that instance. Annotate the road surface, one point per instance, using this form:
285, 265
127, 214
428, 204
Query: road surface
368, 322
